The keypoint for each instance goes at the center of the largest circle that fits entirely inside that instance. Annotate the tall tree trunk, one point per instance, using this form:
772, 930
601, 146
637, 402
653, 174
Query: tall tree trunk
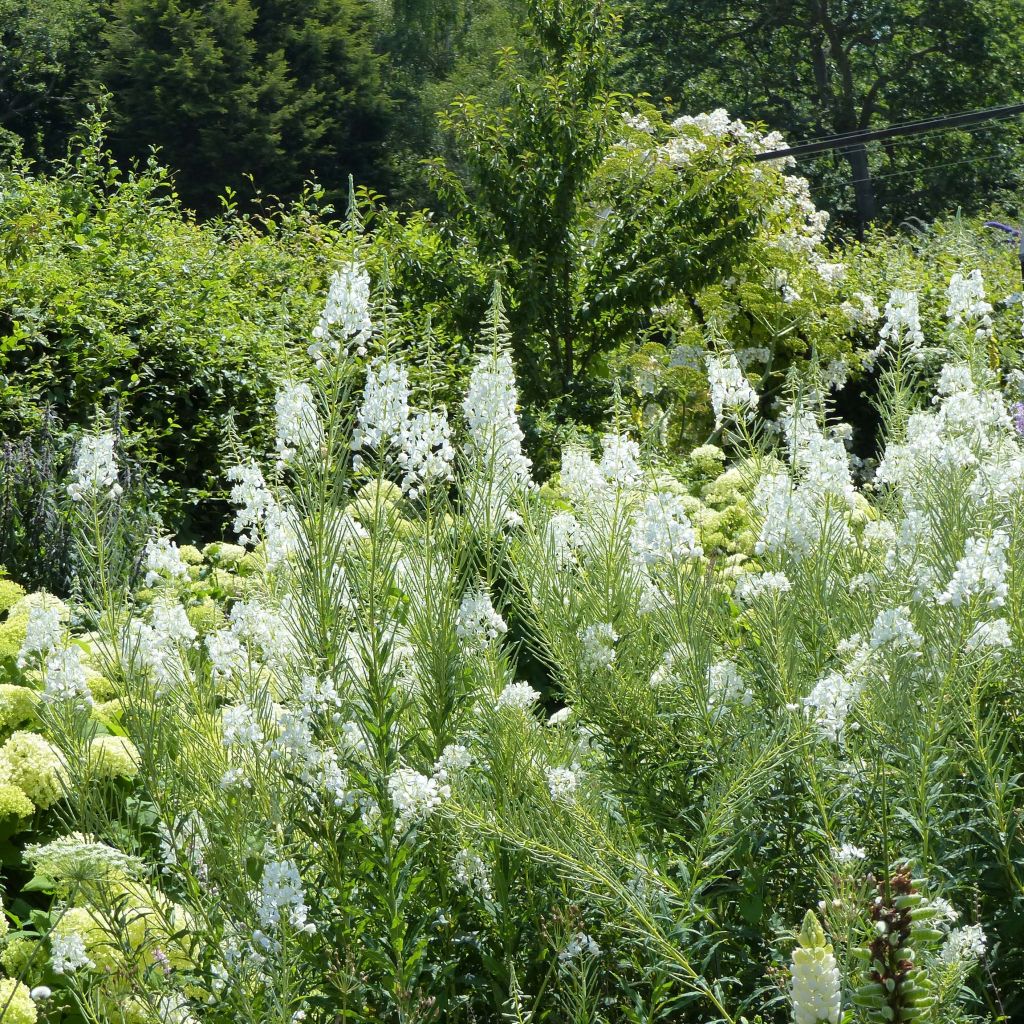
863, 190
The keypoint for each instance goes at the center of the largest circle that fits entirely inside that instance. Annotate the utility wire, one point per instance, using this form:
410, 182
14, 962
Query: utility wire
833, 136
916, 139
859, 138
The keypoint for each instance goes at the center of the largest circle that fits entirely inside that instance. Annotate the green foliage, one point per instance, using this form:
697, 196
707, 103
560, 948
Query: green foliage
47, 49
810, 69
112, 298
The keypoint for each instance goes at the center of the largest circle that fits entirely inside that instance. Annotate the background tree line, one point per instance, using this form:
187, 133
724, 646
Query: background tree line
255, 96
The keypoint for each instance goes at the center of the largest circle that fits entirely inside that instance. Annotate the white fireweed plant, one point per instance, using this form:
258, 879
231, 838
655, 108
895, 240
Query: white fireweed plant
466, 748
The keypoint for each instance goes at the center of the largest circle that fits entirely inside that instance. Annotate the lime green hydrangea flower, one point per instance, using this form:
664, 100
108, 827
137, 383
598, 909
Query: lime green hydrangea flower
206, 617
108, 713
19, 953
224, 555
17, 706
39, 599
384, 491
35, 766
18, 1005
190, 554
113, 757
12, 635
99, 685
14, 804
226, 582
10, 593
707, 460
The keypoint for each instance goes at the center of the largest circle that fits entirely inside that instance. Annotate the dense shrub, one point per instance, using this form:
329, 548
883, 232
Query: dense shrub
112, 296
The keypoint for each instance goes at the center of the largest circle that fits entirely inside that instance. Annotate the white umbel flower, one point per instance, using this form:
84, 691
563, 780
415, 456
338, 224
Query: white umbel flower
815, 987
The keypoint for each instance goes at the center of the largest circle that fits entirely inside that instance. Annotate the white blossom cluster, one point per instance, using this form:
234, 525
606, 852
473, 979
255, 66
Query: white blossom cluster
346, 313
562, 783
967, 304
815, 986
980, 573
521, 696
726, 687
471, 873
579, 945
427, 453
477, 623
95, 470
282, 896
495, 438
751, 587
298, 430
964, 946
43, 632
598, 647
64, 677
68, 953
414, 797
902, 326
731, 392
385, 409
663, 533
163, 561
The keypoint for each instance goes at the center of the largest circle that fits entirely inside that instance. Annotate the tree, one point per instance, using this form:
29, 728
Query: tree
46, 50
821, 67
587, 233
229, 88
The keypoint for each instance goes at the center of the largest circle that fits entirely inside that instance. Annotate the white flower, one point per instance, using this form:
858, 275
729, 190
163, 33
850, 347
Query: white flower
752, 586
580, 478
68, 953
241, 727
560, 717
815, 986
472, 875
495, 438
564, 537
893, 629
967, 303
902, 327
95, 470
64, 676
163, 561
730, 391
42, 633
726, 686
477, 623
964, 945
414, 797
829, 704
993, 637
562, 783
427, 454
663, 533
348, 309
980, 573
579, 945
455, 759
849, 854
281, 890
253, 498
598, 650
620, 460
517, 695
298, 426
385, 410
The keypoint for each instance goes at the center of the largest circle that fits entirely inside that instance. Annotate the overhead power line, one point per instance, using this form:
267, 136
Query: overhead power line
849, 140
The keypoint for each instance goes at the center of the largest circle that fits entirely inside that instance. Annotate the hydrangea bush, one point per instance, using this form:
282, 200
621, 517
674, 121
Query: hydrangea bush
701, 741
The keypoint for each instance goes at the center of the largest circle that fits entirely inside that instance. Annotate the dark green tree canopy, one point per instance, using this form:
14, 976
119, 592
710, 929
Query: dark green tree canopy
232, 88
